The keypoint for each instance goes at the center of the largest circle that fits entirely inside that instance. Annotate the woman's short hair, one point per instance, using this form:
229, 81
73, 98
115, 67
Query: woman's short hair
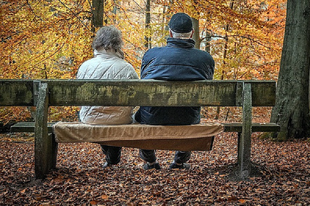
108, 37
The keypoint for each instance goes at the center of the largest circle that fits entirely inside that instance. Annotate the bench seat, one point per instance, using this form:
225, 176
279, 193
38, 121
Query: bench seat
186, 137
198, 137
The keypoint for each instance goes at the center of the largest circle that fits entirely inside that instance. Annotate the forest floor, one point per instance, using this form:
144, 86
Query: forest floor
283, 175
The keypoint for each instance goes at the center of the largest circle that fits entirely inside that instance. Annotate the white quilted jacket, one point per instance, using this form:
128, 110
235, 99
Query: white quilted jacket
106, 65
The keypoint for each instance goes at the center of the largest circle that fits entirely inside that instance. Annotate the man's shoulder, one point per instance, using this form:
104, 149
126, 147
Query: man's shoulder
155, 49
201, 53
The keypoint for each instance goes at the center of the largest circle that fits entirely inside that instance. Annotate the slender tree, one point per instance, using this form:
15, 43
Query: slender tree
147, 36
196, 33
291, 111
195, 20
97, 13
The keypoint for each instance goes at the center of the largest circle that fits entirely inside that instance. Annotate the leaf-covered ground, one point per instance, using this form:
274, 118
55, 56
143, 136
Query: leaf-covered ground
80, 180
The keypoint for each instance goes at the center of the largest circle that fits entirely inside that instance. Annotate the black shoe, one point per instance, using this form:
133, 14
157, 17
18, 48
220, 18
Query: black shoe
147, 166
106, 164
179, 166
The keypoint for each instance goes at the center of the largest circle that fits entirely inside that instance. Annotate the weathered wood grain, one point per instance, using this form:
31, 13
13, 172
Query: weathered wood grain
16, 92
155, 93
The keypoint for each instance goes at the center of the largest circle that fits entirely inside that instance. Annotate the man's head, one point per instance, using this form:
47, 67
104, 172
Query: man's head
181, 26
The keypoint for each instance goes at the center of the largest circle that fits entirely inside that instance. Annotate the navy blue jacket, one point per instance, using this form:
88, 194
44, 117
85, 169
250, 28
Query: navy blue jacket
178, 61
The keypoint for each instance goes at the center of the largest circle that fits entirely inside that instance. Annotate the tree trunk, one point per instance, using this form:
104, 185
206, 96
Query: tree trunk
97, 11
163, 24
196, 33
208, 40
291, 111
147, 36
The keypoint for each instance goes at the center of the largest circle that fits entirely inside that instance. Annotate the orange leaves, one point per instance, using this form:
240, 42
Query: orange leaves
243, 37
50, 39
242, 201
55, 29
63, 114
104, 197
282, 176
8, 114
44, 30
93, 202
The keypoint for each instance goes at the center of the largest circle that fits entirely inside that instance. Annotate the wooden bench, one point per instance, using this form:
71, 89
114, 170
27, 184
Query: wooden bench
45, 93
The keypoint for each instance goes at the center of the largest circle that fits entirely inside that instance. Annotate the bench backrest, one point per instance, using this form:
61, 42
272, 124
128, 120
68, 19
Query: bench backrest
137, 92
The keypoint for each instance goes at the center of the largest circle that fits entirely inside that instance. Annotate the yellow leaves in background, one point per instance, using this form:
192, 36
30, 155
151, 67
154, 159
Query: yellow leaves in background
51, 39
37, 35
63, 114
244, 34
8, 114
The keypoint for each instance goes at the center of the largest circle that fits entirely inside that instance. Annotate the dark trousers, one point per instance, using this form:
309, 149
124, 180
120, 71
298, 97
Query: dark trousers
112, 154
179, 157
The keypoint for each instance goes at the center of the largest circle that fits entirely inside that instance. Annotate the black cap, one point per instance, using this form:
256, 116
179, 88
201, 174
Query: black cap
181, 23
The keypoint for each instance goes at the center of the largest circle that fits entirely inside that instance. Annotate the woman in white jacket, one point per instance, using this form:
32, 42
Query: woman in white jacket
108, 63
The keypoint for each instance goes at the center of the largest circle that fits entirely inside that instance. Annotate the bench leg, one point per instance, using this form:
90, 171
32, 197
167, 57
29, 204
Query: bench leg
244, 139
43, 141
244, 154
54, 152
238, 149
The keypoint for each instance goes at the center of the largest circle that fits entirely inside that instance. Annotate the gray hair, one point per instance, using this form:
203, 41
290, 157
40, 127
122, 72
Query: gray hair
181, 35
108, 37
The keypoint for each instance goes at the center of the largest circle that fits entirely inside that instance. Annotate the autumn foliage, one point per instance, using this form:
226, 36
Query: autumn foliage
50, 39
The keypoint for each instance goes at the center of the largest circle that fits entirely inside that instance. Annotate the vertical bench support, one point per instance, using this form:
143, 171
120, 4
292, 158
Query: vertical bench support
43, 143
54, 151
244, 140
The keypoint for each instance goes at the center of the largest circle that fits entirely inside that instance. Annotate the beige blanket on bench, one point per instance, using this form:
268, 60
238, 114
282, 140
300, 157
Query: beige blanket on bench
197, 137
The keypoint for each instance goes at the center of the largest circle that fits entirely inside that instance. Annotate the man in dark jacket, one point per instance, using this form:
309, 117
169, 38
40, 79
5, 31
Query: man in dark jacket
178, 61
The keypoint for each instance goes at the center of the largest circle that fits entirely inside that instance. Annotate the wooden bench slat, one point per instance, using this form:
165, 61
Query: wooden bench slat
155, 93
16, 92
256, 127
29, 127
